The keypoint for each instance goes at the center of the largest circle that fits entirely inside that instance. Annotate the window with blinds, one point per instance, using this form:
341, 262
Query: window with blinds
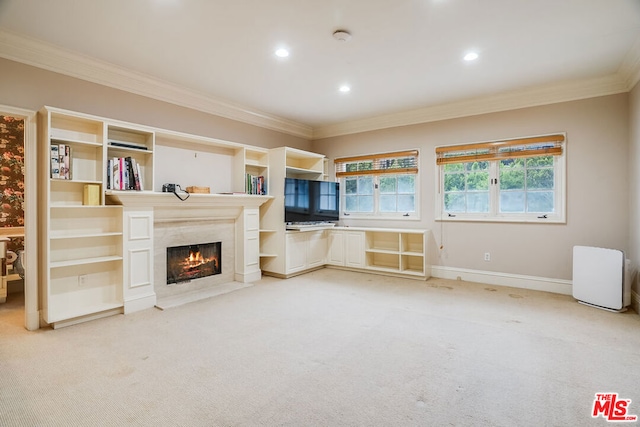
382, 184
521, 179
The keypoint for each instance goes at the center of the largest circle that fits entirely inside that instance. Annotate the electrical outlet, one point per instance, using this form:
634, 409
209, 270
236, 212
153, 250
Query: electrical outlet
487, 256
82, 280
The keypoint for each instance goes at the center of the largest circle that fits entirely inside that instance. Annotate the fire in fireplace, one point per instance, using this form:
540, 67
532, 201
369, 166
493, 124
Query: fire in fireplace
185, 263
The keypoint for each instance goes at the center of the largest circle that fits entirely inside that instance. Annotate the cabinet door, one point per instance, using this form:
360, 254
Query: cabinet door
296, 249
138, 259
316, 249
336, 248
354, 249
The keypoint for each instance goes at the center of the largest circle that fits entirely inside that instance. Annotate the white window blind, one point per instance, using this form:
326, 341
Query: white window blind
377, 164
548, 145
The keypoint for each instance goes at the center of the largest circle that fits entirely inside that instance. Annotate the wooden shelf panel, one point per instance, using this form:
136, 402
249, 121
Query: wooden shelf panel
74, 142
302, 171
410, 253
382, 251
113, 148
57, 235
85, 261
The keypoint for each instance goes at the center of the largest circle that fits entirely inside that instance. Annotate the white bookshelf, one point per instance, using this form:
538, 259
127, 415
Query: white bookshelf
276, 259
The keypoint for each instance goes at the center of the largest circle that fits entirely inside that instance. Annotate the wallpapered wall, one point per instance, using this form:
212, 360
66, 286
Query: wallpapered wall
12, 176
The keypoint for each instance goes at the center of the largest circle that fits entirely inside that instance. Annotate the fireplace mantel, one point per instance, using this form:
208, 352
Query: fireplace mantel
147, 211
157, 199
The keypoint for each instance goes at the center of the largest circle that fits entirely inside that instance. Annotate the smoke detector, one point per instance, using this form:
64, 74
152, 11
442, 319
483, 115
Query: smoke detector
342, 35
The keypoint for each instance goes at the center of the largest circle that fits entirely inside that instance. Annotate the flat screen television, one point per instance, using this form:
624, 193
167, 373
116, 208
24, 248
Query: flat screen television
311, 201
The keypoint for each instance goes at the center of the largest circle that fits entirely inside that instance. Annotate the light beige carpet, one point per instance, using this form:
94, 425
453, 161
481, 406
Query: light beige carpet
329, 348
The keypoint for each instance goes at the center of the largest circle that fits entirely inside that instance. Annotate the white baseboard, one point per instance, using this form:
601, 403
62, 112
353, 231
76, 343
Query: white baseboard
138, 303
558, 286
635, 301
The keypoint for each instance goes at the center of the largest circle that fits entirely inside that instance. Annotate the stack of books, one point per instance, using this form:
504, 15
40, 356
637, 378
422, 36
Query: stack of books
61, 161
124, 173
256, 185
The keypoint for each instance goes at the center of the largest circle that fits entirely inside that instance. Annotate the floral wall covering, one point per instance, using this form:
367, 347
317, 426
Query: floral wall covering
12, 176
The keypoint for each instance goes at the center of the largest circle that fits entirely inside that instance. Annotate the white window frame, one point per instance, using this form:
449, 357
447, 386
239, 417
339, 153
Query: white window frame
376, 214
494, 215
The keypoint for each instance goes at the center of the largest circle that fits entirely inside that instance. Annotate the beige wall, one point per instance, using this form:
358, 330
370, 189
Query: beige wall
634, 185
597, 185
31, 88
597, 167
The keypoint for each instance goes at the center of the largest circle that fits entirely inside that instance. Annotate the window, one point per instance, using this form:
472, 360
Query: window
381, 185
511, 180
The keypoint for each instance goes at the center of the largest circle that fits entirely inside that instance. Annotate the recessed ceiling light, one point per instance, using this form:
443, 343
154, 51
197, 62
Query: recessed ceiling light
345, 88
471, 56
282, 52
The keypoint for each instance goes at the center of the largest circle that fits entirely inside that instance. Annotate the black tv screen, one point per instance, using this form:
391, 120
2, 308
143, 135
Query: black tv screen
311, 201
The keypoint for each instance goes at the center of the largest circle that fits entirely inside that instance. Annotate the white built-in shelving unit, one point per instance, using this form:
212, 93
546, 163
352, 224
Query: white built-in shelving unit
81, 245
274, 241
96, 258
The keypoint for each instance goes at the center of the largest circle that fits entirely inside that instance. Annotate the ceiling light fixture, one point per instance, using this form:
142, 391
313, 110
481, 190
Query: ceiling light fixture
471, 56
345, 88
282, 53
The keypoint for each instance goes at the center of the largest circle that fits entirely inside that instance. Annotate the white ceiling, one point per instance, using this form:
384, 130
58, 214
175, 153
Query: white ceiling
405, 56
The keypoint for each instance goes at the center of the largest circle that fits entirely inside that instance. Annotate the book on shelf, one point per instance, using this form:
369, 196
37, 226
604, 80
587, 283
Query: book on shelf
124, 173
140, 176
134, 172
67, 162
255, 185
55, 161
61, 153
109, 174
61, 161
115, 162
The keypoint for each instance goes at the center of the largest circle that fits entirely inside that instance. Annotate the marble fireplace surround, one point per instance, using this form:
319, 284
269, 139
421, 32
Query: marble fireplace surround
199, 219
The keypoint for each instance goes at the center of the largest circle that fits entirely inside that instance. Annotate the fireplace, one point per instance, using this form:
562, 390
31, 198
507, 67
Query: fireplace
189, 262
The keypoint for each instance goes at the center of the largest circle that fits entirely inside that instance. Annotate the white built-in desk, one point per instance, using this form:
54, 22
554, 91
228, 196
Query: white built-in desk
389, 251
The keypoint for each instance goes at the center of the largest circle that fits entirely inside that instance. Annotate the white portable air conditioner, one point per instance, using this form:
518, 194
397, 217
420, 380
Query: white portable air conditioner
601, 278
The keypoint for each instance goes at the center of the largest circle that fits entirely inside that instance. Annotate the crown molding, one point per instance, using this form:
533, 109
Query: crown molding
629, 71
43, 55
530, 97
46, 56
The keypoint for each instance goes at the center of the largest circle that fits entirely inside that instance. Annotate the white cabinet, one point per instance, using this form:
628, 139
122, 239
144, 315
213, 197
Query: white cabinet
378, 250
296, 250
316, 249
346, 248
354, 249
336, 248
305, 250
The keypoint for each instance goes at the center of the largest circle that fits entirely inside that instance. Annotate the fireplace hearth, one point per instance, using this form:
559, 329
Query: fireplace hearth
190, 262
